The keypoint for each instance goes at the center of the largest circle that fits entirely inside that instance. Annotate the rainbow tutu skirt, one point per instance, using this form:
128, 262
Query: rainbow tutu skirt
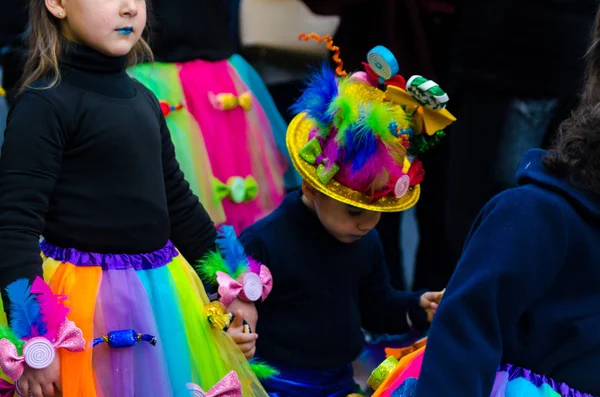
511, 381
156, 293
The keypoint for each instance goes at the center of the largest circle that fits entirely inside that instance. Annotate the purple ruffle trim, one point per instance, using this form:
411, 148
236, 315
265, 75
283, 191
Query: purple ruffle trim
147, 261
564, 390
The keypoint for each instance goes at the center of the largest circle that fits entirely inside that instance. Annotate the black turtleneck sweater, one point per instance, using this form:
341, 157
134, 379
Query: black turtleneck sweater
89, 163
325, 290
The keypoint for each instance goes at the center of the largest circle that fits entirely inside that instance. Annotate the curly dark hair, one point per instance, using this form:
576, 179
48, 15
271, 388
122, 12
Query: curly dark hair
576, 149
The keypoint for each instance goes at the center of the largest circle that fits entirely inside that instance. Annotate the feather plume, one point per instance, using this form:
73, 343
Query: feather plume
232, 250
208, 267
7, 333
26, 321
53, 310
321, 88
254, 265
345, 111
262, 370
379, 118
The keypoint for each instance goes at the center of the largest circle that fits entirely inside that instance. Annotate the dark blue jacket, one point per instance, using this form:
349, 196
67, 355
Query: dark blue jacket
526, 291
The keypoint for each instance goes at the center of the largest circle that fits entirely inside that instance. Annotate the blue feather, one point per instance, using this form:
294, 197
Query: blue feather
321, 88
25, 313
360, 146
231, 249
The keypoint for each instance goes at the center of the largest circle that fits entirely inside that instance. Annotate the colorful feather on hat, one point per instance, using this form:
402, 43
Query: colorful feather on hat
25, 314
262, 370
321, 89
52, 307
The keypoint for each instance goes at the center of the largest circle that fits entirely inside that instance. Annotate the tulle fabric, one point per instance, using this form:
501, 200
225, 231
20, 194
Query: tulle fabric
166, 301
222, 144
511, 381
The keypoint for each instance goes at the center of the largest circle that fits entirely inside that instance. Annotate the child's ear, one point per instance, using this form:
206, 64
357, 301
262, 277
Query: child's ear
309, 191
56, 8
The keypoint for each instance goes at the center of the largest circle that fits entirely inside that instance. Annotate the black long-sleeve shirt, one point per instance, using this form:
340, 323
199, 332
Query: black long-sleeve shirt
89, 163
324, 291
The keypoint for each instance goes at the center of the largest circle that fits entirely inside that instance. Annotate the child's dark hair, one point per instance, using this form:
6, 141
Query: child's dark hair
576, 150
46, 43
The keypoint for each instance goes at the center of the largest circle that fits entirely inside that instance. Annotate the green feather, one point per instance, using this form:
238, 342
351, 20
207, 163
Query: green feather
208, 267
346, 114
7, 333
262, 370
378, 119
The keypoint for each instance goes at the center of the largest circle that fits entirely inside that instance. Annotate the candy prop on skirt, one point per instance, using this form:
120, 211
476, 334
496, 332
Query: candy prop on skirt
236, 275
124, 338
229, 386
38, 327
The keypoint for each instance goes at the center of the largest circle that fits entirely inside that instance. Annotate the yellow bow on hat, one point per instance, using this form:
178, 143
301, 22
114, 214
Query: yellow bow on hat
228, 101
432, 120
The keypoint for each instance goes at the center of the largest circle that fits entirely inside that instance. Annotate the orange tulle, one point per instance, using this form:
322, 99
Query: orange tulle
76, 368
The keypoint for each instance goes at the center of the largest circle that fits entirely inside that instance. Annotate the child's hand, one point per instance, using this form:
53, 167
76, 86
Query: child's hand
245, 341
41, 382
429, 302
248, 310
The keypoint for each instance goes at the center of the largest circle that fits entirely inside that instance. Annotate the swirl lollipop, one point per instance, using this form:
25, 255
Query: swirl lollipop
383, 63
39, 353
402, 186
427, 92
253, 287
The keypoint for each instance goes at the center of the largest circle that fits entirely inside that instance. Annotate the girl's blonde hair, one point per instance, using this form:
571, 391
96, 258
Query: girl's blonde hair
46, 43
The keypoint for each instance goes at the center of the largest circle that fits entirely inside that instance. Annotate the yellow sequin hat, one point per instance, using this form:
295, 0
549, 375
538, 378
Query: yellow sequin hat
355, 137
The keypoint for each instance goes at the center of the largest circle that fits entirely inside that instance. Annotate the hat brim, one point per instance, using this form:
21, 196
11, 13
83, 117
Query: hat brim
297, 136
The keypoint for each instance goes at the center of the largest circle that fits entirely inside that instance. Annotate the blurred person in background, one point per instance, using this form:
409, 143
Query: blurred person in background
517, 71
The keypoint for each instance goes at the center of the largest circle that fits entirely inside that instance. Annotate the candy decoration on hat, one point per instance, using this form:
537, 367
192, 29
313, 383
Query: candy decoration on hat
383, 63
237, 275
353, 136
39, 327
427, 92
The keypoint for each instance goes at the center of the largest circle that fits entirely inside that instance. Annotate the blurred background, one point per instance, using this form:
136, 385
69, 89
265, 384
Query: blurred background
512, 69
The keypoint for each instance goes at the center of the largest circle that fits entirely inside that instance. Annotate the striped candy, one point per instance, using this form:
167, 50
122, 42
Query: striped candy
427, 92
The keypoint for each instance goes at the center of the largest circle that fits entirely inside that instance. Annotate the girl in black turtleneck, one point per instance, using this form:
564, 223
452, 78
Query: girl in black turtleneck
88, 163
229, 136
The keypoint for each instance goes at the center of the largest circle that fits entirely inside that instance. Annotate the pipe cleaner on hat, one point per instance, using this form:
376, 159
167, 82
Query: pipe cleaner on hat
237, 275
355, 137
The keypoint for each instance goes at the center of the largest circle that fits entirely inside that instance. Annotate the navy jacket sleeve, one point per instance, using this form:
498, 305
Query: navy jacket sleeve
192, 230
384, 309
29, 167
512, 255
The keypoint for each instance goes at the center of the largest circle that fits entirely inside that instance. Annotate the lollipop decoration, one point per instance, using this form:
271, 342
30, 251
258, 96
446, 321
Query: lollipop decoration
39, 327
236, 275
383, 63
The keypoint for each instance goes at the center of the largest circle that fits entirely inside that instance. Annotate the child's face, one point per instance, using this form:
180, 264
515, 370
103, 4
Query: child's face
111, 27
344, 222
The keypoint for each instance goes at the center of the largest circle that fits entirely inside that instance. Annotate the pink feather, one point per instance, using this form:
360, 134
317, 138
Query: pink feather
254, 265
54, 312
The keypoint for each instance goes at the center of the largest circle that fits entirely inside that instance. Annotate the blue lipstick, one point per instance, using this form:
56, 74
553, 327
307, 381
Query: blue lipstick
126, 31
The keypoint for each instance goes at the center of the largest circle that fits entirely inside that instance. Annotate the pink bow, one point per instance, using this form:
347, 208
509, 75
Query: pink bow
42, 351
229, 386
249, 287
7, 389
